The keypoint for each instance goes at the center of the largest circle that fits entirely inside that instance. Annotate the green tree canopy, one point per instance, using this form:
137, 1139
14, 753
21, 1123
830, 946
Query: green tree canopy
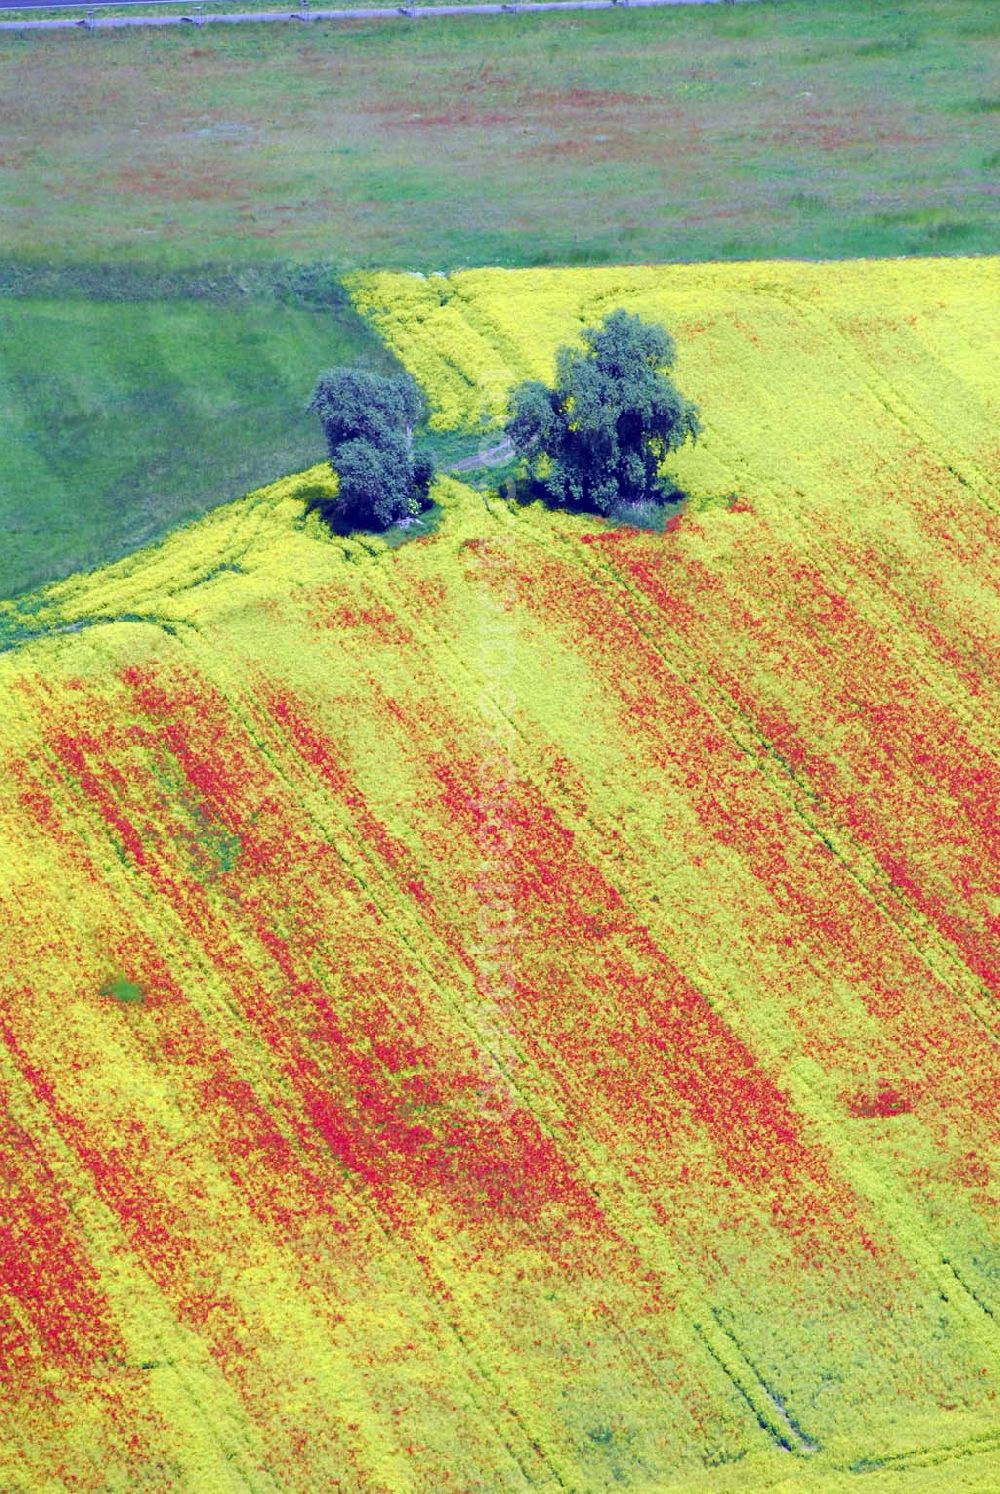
368, 421
354, 404
601, 436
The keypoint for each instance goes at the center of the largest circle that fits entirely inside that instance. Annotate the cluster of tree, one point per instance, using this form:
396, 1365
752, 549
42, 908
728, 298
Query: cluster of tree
597, 441
599, 438
369, 420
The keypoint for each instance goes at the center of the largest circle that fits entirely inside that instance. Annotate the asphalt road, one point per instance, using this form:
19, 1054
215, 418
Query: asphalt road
73, 9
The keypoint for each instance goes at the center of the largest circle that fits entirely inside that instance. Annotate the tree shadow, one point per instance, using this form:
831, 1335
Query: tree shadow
652, 515
416, 527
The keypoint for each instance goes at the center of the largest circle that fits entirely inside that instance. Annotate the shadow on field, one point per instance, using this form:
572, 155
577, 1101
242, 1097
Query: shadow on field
649, 516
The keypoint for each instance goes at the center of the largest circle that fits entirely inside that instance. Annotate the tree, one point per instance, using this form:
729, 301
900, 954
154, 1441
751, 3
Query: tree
355, 404
368, 420
601, 436
374, 483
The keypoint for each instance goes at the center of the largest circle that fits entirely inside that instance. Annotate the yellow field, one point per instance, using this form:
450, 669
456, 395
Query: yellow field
918, 334
517, 1010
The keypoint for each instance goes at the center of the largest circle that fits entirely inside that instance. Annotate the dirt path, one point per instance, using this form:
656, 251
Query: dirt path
492, 456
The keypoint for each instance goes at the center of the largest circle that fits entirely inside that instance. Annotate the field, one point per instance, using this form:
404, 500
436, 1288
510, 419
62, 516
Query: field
125, 414
791, 129
772, 129
515, 1008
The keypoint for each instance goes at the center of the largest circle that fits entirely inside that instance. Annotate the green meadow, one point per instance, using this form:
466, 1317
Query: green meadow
123, 419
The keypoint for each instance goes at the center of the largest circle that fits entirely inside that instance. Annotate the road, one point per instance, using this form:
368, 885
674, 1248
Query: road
73, 16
